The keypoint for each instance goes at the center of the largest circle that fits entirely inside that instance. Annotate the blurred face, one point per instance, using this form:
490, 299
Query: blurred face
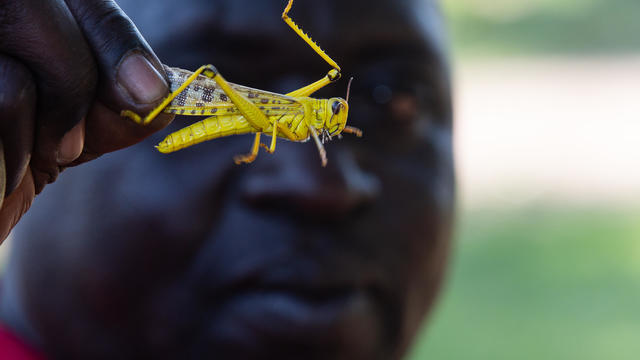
187, 255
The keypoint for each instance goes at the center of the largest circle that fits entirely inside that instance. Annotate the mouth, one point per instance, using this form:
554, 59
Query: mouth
294, 321
281, 301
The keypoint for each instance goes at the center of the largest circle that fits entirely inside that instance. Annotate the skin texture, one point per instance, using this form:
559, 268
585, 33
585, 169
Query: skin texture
60, 91
143, 255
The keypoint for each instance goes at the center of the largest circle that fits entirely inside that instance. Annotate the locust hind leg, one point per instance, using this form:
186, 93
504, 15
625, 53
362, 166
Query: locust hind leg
333, 74
253, 115
248, 158
250, 111
306, 38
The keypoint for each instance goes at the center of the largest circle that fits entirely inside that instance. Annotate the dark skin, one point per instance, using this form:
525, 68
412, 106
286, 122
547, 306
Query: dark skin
64, 67
191, 256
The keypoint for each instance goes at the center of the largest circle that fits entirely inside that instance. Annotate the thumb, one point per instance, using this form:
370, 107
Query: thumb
130, 77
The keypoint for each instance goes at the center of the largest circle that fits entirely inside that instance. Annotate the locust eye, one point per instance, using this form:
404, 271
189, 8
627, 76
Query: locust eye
335, 107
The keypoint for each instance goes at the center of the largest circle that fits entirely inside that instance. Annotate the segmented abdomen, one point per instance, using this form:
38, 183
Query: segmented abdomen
207, 129
219, 126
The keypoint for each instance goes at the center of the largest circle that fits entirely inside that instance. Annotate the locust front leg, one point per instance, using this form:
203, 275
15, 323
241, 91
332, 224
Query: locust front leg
321, 150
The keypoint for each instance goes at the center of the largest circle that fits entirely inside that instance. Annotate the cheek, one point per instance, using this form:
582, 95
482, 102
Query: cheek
421, 226
416, 204
409, 228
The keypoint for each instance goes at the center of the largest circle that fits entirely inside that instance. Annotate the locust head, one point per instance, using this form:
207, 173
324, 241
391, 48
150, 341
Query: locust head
337, 112
336, 122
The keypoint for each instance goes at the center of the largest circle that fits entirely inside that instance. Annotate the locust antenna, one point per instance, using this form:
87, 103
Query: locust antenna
349, 89
350, 129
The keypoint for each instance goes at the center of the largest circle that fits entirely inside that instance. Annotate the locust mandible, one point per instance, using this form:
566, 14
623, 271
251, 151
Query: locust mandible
235, 109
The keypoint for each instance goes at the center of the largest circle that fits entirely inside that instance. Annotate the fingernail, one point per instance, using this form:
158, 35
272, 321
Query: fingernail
72, 144
141, 80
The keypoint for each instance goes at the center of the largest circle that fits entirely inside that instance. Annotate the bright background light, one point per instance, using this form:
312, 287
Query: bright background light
546, 263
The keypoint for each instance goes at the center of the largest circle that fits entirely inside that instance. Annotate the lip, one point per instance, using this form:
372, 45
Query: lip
319, 298
324, 323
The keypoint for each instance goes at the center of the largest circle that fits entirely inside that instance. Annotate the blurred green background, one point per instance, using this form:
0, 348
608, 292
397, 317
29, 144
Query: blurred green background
544, 26
546, 263
540, 283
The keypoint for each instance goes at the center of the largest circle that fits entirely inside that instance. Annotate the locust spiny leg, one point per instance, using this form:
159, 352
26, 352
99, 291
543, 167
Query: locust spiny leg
332, 76
207, 70
306, 38
248, 158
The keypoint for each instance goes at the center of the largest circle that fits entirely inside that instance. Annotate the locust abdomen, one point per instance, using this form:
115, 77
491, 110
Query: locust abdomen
220, 126
207, 129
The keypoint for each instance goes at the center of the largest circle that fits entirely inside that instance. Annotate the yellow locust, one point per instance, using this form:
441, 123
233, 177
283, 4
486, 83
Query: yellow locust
235, 109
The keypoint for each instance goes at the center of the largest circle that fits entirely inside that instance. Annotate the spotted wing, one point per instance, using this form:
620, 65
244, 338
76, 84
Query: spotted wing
204, 97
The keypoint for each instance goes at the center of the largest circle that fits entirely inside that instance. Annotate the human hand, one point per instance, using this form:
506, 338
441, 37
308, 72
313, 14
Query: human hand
67, 69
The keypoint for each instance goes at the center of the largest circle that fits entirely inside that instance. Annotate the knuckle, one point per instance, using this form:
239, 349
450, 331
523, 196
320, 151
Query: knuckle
43, 175
106, 26
83, 85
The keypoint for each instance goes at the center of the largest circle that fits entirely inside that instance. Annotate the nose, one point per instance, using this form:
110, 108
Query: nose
294, 179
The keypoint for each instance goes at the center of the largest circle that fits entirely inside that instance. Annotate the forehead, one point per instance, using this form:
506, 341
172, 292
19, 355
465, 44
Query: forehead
196, 26
251, 45
161, 19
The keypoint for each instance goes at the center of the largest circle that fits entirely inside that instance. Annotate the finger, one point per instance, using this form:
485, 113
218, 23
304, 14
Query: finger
3, 175
17, 118
130, 77
16, 204
106, 132
44, 36
72, 144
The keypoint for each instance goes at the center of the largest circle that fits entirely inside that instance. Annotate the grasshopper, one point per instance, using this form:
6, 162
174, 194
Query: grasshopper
235, 109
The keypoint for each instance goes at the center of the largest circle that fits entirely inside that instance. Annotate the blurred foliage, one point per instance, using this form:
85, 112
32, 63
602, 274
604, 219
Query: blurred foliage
540, 284
505, 27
